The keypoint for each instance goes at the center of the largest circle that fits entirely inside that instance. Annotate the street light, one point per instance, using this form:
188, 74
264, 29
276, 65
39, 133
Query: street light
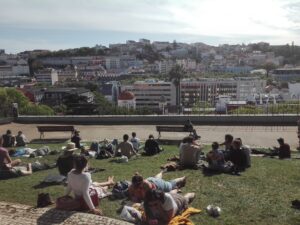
162, 102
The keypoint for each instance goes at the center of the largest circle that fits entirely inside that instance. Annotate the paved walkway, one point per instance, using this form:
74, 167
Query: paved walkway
251, 135
17, 214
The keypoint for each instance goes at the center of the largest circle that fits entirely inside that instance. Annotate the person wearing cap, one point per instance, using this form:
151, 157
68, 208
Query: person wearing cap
65, 162
151, 146
76, 139
139, 186
284, 150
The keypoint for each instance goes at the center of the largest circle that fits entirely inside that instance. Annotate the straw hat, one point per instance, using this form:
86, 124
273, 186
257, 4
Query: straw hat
70, 147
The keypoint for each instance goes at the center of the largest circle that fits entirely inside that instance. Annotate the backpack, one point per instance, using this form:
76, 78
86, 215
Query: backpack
43, 200
120, 189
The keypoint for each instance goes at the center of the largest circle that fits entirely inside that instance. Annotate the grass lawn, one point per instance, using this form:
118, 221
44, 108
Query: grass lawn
261, 195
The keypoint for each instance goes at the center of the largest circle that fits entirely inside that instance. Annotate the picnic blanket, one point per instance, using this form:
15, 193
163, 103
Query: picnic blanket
183, 218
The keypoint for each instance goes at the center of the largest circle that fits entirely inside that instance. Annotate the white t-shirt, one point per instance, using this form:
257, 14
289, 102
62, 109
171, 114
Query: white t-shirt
135, 142
80, 184
170, 204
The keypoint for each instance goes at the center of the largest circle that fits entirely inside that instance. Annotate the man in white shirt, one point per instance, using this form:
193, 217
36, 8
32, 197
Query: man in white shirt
135, 142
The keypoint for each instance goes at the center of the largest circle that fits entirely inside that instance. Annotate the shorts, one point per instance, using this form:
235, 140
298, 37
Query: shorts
165, 186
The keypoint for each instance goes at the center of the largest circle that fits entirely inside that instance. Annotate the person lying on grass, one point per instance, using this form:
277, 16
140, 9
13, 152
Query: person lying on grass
140, 186
161, 207
80, 183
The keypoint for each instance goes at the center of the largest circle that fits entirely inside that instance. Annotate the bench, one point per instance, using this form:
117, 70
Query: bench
43, 129
160, 129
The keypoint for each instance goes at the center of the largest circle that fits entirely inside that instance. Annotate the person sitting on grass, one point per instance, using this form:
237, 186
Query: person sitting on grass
10, 168
228, 142
238, 157
161, 207
7, 140
76, 139
247, 152
284, 150
215, 158
21, 140
126, 148
65, 162
152, 146
189, 153
80, 183
139, 186
135, 142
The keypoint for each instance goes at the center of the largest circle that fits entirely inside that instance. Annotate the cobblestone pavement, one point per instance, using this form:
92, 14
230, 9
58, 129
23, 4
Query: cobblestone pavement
251, 135
17, 214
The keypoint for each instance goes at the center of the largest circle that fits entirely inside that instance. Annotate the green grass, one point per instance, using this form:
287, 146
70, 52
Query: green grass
261, 195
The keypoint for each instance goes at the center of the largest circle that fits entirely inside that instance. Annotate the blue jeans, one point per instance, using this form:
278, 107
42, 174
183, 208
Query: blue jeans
165, 186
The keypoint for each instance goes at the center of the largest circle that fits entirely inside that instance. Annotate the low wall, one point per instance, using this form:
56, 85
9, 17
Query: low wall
6, 120
248, 120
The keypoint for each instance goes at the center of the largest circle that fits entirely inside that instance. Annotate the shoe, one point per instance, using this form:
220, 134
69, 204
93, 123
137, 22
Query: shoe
181, 183
296, 204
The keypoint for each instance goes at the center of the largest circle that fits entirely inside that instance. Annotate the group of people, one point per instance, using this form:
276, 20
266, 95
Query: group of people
129, 147
233, 158
8, 140
160, 198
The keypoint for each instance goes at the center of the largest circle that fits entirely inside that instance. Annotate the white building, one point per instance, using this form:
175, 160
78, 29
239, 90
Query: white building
187, 64
68, 73
247, 87
112, 63
164, 67
294, 90
6, 72
47, 76
149, 93
206, 90
20, 68
286, 74
160, 45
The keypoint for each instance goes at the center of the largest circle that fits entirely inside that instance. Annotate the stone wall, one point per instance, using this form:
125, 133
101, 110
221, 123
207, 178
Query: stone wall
6, 120
257, 120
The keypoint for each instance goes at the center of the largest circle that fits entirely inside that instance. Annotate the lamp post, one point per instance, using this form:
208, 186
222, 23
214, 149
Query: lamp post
162, 102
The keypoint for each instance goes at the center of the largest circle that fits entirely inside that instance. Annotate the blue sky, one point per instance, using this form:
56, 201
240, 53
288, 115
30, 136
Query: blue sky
61, 24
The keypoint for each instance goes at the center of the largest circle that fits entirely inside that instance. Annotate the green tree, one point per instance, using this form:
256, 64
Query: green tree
175, 75
268, 67
11, 95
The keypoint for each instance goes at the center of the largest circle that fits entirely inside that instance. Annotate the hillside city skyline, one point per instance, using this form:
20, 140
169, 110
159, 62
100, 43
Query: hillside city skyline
171, 41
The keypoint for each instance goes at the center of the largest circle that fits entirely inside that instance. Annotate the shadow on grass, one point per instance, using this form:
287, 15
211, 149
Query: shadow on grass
44, 185
54, 216
49, 141
209, 173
